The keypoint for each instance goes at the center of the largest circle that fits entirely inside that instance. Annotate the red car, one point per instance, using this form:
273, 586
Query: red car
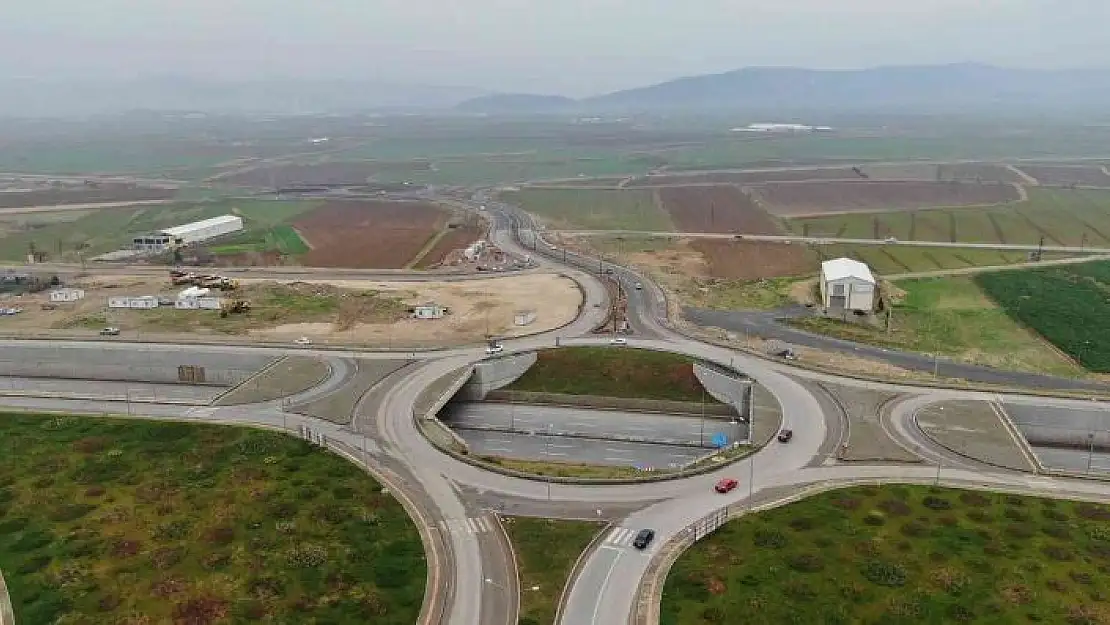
725, 485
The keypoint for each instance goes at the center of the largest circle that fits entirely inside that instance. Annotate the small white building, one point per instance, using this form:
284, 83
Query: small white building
129, 301
197, 303
847, 284
193, 291
67, 295
429, 311
524, 317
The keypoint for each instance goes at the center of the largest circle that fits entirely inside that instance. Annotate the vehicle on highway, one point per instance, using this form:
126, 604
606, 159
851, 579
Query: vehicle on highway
785, 436
639, 286
304, 341
109, 332
617, 340
890, 240
495, 348
725, 485
643, 538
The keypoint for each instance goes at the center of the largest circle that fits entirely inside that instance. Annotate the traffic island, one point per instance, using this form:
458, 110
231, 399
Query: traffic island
978, 430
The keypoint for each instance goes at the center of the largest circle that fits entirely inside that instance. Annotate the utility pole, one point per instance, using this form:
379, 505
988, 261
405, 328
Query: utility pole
703, 417
1090, 449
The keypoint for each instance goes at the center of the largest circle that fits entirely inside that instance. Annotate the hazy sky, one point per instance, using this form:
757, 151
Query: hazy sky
575, 47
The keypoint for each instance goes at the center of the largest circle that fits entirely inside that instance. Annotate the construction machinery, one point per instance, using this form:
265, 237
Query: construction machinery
222, 283
234, 307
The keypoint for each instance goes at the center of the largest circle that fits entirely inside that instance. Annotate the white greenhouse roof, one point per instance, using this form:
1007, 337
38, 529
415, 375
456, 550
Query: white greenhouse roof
840, 268
177, 231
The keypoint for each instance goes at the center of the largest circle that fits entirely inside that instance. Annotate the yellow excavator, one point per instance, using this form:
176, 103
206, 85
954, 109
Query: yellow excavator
234, 307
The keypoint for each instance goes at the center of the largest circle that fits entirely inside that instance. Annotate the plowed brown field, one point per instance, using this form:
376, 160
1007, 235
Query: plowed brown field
795, 199
456, 239
716, 209
368, 234
747, 177
750, 260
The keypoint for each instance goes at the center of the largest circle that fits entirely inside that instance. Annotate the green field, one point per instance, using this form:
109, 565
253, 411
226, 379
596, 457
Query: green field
895, 259
1063, 217
100, 231
1067, 305
594, 209
121, 521
613, 372
953, 317
283, 239
899, 555
546, 550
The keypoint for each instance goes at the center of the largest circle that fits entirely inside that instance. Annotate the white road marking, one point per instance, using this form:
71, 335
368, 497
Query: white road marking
620, 537
469, 525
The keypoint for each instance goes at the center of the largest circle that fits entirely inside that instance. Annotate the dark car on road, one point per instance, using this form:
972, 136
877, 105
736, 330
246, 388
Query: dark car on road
643, 539
785, 436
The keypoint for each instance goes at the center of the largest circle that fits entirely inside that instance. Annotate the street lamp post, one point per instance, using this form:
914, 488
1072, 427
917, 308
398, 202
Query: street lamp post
547, 455
1090, 449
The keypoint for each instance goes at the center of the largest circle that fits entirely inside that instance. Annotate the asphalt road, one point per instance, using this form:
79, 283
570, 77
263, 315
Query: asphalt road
766, 325
578, 450
592, 423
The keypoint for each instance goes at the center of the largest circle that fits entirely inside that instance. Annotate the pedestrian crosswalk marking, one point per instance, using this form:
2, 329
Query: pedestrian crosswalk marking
620, 537
470, 525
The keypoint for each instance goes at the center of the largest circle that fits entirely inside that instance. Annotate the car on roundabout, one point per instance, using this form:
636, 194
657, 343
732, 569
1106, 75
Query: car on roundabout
785, 436
643, 539
725, 485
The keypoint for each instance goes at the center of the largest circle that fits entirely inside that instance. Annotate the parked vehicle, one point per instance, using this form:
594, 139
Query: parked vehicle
725, 485
304, 341
785, 436
618, 340
643, 538
109, 332
495, 348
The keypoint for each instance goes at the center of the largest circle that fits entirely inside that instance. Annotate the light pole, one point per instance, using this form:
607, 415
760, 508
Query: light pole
1090, 449
547, 455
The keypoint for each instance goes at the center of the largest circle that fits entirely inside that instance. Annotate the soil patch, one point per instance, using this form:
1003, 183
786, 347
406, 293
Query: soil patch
716, 209
368, 234
750, 260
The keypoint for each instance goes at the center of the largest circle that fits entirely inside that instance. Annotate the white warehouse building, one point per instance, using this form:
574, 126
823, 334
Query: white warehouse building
188, 233
847, 284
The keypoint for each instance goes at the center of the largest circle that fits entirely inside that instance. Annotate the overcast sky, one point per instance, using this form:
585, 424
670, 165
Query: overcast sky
573, 47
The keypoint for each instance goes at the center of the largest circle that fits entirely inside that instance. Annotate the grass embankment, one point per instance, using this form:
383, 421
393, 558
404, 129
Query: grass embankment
594, 209
613, 372
112, 521
951, 316
546, 550
272, 305
900, 554
109, 229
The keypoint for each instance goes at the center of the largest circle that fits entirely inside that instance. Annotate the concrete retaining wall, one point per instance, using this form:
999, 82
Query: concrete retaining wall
490, 375
118, 365
613, 403
734, 390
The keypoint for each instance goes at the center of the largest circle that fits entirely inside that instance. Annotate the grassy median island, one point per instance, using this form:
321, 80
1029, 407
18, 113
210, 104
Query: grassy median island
546, 550
126, 521
613, 372
900, 554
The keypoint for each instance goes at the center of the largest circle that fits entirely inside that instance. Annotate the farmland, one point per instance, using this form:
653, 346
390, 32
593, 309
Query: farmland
1066, 305
898, 554
609, 372
1067, 175
1063, 217
368, 234
350, 173
88, 195
750, 260
746, 177
952, 316
796, 199
112, 521
715, 209
897, 259
449, 242
593, 209
103, 230
984, 172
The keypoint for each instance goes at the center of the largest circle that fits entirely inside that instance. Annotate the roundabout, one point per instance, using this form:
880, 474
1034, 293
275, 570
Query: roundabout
381, 421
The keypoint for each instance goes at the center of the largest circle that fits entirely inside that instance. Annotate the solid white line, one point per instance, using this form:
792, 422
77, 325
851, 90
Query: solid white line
504, 449
552, 453
604, 584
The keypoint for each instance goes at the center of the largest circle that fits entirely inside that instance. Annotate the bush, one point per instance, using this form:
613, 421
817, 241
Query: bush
769, 538
801, 524
806, 563
884, 573
874, 518
895, 507
974, 499
936, 503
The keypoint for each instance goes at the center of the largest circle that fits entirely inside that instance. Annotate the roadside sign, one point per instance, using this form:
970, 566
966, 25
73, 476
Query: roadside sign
719, 440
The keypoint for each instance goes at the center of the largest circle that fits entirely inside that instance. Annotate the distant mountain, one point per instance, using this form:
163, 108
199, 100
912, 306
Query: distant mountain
40, 97
509, 103
958, 88
936, 88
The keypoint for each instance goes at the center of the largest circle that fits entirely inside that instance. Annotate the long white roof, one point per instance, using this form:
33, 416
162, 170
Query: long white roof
839, 268
198, 225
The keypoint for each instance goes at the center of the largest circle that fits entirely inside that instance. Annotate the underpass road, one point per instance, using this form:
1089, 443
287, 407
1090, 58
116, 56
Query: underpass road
579, 450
